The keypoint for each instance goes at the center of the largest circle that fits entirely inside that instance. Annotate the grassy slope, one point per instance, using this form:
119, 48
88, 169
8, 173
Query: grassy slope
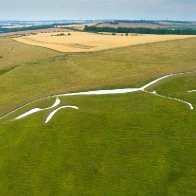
126, 67
136, 144
178, 88
14, 53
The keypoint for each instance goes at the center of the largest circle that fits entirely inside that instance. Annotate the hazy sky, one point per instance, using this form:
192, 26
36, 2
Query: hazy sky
98, 9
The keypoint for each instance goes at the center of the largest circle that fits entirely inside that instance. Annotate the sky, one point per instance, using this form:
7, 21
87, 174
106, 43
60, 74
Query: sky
97, 9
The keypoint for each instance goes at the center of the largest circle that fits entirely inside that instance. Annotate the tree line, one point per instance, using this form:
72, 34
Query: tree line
158, 31
8, 30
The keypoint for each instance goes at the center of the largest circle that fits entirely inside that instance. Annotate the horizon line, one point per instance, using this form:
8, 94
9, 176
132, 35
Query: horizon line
106, 19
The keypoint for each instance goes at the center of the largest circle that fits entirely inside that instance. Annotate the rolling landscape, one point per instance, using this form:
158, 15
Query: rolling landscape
89, 111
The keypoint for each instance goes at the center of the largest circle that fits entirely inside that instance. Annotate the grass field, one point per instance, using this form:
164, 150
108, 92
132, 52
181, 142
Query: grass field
126, 144
87, 42
13, 54
125, 67
137, 143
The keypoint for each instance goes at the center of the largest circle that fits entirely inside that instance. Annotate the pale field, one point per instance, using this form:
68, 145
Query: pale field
129, 25
18, 33
77, 26
89, 42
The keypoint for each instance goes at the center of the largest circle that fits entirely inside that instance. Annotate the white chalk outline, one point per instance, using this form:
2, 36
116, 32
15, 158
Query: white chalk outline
176, 99
55, 111
57, 102
102, 92
191, 91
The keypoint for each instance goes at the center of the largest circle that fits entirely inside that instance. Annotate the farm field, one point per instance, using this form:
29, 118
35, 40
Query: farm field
138, 143
79, 27
129, 25
27, 32
148, 24
88, 42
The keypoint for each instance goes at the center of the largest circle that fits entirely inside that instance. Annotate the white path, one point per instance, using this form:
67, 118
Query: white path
100, 92
191, 91
55, 111
57, 102
179, 100
9, 113
164, 77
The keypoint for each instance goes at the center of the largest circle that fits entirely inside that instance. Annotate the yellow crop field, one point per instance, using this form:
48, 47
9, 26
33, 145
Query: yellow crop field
88, 42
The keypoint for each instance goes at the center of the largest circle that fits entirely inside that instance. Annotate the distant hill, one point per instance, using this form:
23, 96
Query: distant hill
149, 24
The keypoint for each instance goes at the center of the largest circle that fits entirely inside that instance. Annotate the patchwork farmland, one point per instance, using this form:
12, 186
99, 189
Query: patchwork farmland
87, 42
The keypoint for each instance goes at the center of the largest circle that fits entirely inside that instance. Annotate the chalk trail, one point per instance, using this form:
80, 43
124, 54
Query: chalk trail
191, 91
57, 102
176, 99
55, 111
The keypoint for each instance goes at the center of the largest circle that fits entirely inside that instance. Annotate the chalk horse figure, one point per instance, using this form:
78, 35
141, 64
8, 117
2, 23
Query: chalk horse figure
99, 92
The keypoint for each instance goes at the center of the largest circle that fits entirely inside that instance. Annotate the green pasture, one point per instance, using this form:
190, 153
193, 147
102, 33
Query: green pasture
126, 144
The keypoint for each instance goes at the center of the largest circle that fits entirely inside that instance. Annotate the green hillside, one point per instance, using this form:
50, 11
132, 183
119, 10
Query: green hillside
127, 144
